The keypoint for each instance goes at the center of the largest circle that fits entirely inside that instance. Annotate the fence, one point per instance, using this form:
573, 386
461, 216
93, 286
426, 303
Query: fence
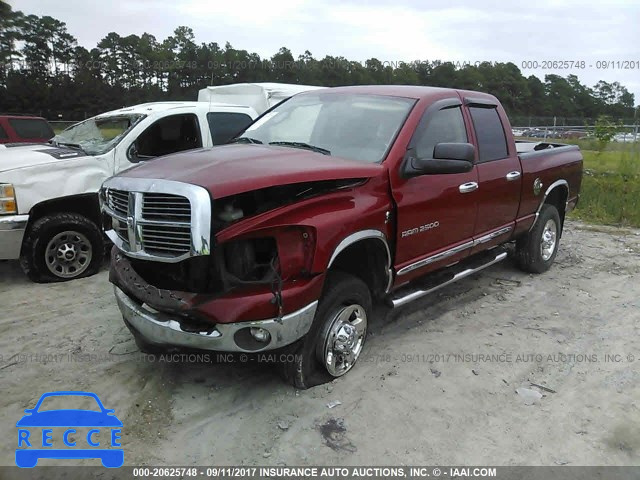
60, 125
625, 133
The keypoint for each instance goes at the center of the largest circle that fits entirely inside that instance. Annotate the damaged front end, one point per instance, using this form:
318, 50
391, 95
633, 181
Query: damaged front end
252, 292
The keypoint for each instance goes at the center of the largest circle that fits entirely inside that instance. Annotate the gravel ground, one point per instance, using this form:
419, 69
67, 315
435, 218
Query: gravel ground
436, 384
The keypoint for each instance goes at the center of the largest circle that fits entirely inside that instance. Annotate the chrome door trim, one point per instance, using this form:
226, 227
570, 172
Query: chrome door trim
452, 251
435, 258
490, 236
511, 176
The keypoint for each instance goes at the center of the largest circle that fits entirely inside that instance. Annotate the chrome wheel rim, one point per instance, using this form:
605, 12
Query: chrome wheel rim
68, 254
344, 340
548, 240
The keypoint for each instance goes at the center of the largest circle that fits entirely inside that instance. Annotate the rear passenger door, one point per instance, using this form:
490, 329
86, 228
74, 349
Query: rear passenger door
499, 176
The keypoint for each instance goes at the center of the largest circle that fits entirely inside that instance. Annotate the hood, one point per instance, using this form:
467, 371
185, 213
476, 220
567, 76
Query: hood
232, 169
30, 155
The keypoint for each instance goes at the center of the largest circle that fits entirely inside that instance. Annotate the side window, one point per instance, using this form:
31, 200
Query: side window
226, 125
31, 128
446, 126
170, 134
3, 134
492, 143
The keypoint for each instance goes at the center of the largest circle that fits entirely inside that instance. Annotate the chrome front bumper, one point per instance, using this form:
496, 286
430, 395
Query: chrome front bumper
12, 230
162, 329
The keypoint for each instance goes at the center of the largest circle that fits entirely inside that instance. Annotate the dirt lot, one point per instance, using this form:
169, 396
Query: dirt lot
414, 398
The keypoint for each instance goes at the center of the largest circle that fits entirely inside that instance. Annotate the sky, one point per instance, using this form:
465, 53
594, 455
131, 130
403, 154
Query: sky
602, 36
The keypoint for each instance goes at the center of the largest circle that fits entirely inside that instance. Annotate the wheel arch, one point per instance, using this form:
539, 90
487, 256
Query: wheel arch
355, 255
86, 204
557, 195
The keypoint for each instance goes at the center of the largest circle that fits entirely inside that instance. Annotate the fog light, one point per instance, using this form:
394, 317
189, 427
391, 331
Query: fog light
260, 334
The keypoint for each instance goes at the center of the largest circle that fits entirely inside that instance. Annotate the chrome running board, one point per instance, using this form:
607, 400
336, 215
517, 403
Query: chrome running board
414, 293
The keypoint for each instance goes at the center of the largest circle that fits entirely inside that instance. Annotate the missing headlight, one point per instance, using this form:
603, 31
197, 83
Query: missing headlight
251, 260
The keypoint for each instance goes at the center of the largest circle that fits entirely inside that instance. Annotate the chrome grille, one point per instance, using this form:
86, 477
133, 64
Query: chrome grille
165, 239
161, 228
166, 207
118, 201
157, 219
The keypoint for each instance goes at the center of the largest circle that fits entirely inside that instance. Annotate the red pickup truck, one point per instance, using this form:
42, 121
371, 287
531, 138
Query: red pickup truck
331, 200
24, 129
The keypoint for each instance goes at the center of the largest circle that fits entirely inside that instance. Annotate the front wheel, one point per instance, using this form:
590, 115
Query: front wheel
62, 247
536, 251
336, 338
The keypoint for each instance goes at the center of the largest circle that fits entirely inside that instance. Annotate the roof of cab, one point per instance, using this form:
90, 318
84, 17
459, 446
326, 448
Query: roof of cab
407, 91
147, 108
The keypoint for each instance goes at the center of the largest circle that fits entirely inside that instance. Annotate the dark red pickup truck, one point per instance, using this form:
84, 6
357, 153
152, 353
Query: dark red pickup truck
335, 198
24, 129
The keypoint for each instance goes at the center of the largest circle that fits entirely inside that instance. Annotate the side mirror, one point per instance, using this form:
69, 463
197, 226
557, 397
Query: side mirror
454, 151
132, 153
134, 156
448, 158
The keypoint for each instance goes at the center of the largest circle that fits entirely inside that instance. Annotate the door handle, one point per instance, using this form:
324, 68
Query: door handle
468, 187
511, 176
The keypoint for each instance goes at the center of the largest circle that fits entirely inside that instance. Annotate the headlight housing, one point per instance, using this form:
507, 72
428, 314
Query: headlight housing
285, 251
8, 204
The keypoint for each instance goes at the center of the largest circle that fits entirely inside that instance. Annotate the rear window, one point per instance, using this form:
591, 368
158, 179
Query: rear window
226, 125
3, 134
31, 128
492, 143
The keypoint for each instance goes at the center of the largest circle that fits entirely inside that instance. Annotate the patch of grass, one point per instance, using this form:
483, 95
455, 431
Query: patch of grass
626, 163
610, 192
611, 200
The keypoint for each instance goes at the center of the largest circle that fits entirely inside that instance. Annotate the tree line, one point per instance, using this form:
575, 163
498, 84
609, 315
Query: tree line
44, 71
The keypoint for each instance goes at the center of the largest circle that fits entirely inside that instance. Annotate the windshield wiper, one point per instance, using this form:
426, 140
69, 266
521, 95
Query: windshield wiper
306, 146
57, 143
245, 140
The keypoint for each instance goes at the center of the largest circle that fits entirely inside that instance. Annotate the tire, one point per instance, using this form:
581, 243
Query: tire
536, 251
62, 247
344, 307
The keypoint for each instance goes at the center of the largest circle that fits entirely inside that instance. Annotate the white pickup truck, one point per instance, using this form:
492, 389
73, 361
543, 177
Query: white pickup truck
49, 212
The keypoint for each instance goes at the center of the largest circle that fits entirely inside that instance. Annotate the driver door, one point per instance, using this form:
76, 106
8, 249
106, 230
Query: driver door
436, 213
170, 134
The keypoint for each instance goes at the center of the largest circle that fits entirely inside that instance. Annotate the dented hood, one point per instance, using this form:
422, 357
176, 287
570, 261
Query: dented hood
233, 169
30, 155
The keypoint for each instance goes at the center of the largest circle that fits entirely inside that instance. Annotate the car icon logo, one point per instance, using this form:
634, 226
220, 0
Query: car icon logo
60, 433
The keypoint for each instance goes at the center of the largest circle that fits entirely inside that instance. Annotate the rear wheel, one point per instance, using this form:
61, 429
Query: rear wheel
536, 251
336, 338
62, 247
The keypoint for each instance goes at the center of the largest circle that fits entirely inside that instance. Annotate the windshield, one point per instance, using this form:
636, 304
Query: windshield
357, 127
98, 135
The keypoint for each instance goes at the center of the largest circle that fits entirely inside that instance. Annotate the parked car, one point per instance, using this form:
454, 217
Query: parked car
575, 134
24, 129
49, 212
334, 199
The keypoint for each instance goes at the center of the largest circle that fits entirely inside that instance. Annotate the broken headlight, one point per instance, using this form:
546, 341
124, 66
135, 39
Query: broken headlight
281, 253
